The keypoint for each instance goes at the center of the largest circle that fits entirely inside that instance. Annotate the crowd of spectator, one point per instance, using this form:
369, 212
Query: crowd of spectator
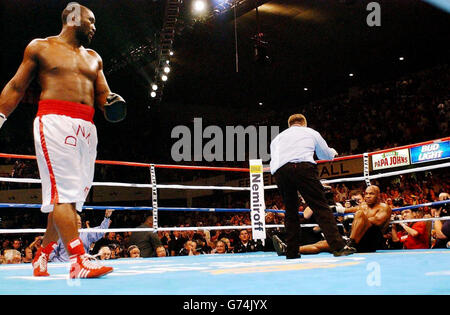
412, 109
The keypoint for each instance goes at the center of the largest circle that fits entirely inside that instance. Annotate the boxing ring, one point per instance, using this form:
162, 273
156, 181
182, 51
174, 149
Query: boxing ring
384, 272
260, 273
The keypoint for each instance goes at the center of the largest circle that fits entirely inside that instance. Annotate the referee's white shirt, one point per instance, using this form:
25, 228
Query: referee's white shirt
298, 144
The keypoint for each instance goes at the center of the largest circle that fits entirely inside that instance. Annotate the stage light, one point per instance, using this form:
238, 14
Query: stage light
153, 94
166, 69
442, 4
350, 74
154, 87
306, 89
164, 77
401, 58
199, 6
170, 53
167, 61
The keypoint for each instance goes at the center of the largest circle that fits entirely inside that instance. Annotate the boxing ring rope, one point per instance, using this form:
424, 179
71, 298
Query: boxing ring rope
136, 164
154, 186
131, 185
37, 206
180, 209
173, 186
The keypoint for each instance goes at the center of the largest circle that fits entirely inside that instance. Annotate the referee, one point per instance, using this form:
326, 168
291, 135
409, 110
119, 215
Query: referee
292, 164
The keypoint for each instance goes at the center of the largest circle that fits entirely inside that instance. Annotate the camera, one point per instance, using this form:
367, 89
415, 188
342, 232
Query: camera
352, 202
445, 210
329, 195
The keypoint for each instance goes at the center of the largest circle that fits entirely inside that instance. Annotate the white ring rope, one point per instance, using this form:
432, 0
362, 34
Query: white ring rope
132, 185
421, 220
174, 186
200, 228
204, 187
20, 180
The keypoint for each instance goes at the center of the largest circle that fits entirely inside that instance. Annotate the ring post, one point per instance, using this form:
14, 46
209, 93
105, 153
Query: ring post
257, 201
154, 196
366, 168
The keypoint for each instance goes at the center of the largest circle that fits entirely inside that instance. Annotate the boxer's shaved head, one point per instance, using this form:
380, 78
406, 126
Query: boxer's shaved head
372, 195
81, 20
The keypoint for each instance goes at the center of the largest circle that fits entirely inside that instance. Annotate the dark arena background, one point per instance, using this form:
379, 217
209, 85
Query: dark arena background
372, 77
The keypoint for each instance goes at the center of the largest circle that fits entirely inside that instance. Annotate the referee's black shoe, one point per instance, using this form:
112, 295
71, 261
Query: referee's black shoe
279, 246
347, 250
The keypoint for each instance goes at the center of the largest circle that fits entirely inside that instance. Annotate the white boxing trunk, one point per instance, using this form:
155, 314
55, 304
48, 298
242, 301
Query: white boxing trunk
65, 140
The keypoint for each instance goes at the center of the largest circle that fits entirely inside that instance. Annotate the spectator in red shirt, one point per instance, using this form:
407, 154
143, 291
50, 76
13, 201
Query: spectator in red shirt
442, 228
414, 235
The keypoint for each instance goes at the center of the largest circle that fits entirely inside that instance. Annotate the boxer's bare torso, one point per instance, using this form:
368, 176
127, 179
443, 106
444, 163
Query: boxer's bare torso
63, 71
377, 209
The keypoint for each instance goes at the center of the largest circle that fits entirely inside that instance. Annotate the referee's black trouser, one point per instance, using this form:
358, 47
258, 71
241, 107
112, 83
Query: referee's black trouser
304, 178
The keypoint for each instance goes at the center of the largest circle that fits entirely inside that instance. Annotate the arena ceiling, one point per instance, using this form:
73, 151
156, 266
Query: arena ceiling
313, 44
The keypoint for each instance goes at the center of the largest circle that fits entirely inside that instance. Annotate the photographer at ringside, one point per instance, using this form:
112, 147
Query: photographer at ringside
389, 243
415, 235
442, 228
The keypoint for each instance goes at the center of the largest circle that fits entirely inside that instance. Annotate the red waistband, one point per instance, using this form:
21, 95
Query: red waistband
71, 109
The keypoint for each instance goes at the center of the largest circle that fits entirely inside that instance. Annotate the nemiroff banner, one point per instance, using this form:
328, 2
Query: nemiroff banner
430, 152
390, 159
257, 203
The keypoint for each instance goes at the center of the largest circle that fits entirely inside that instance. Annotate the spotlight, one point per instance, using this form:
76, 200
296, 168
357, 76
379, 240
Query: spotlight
199, 6
164, 77
154, 87
153, 94
166, 69
170, 53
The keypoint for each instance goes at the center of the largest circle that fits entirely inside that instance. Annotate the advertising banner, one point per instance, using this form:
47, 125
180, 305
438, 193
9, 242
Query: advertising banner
391, 159
257, 202
430, 152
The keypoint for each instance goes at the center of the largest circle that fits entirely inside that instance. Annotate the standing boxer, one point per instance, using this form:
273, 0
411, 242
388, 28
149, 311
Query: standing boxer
72, 82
